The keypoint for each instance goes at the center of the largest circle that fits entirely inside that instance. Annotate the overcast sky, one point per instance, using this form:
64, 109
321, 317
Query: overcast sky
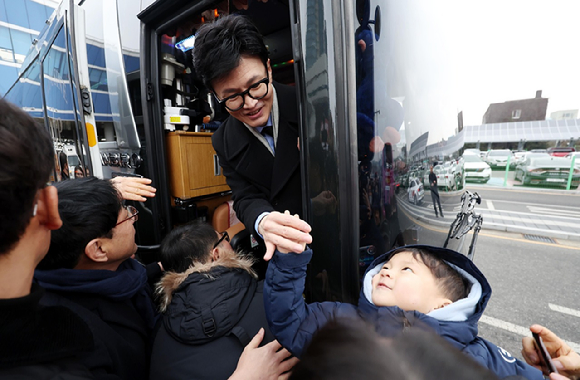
441, 57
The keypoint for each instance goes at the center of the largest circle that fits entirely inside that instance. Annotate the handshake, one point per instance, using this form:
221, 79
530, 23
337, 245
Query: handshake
285, 232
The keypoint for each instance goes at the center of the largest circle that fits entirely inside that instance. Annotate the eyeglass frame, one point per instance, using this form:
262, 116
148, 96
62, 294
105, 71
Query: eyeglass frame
133, 211
243, 94
225, 236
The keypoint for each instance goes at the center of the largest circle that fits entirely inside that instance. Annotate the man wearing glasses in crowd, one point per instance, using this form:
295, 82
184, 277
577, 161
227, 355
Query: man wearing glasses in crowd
257, 145
89, 270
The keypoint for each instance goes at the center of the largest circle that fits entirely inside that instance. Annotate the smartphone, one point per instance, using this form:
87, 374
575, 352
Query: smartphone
545, 357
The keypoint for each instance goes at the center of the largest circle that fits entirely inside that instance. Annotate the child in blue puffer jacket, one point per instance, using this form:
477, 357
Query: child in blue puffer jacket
410, 287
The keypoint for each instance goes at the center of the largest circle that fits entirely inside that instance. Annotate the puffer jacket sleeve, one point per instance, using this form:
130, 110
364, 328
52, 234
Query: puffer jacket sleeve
290, 318
500, 361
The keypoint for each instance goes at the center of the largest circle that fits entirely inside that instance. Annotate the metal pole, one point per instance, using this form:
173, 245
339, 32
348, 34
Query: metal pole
507, 170
571, 172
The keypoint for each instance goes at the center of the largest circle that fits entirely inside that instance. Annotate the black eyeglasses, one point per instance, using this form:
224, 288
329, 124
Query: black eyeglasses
256, 91
225, 237
133, 213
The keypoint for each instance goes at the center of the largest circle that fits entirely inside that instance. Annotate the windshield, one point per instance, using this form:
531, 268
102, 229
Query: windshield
471, 158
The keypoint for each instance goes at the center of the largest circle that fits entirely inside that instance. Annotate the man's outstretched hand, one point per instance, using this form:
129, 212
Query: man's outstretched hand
285, 232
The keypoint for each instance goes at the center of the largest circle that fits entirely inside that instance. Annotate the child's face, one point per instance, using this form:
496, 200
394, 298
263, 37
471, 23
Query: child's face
407, 283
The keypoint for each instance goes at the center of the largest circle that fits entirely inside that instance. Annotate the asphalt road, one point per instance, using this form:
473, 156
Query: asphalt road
532, 282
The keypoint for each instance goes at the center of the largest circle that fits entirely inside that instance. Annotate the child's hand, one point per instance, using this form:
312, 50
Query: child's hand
300, 243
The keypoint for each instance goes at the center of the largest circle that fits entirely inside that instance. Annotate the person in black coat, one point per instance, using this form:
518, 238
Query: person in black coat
257, 145
212, 306
434, 191
89, 270
36, 342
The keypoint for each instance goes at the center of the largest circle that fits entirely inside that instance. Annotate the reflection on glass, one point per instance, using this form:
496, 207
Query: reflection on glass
60, 107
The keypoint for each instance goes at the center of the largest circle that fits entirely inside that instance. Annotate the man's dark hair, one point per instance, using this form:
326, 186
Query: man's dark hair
452, 284
350, 349
220, 45
26, 161
89, 208
187, 244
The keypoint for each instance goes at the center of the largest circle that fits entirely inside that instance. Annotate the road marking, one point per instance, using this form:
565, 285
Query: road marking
564, 310
490, 205
413, 216
522, 331
553, 211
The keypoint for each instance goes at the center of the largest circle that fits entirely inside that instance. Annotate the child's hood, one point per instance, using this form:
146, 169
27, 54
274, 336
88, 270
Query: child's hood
469, 308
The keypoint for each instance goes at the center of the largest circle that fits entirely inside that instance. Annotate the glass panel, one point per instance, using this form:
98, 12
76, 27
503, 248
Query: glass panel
60, 107
16, 13
107, 74
37, 14
22, 42
3, 16
8, 75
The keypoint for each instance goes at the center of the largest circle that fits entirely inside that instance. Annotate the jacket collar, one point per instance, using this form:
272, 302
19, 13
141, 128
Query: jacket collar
172, 281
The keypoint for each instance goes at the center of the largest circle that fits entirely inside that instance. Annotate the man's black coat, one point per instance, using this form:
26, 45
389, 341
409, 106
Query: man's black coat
260, 182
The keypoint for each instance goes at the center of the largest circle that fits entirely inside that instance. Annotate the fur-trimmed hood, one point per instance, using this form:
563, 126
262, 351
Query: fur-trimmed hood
171, 281
207, 300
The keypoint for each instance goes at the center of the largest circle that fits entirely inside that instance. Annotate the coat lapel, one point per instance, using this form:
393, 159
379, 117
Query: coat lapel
247, 155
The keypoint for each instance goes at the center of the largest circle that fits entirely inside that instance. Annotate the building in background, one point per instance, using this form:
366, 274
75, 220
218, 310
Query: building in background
517, 110
20, 23
564, 115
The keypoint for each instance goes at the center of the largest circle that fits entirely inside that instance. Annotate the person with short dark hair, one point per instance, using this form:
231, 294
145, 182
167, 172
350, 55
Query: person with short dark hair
89, 269
433, 187
415, 286
257, 144
350, 349
212, 306
36, 341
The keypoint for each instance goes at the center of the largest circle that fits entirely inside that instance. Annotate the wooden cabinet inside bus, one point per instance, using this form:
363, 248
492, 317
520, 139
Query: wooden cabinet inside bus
194, 170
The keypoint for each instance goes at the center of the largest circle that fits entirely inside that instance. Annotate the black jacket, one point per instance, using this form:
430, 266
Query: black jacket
212, 312
111, 303
260, 182
41, 342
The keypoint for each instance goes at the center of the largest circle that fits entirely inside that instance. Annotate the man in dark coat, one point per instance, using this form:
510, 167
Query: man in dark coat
258, 144
89, 270
434, 191
36, 342
212, 306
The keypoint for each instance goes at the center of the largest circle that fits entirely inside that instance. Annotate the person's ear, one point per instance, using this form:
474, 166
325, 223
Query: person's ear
47, 208
269, 68
215, 254
441, 303
94, 251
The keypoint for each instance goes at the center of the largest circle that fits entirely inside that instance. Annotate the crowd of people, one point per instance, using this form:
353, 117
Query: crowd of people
76, 304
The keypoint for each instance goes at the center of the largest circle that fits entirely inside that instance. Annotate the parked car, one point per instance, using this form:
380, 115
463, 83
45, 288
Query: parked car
519, 156
577, 160
416, 191
560, 151
547, 171
475, 169
499, 158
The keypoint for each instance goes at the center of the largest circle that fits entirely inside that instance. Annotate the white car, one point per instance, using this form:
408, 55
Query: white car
499, 158
416, 191
475, 169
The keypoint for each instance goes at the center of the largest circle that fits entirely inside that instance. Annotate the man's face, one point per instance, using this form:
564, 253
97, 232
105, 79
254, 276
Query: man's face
255, 113
122, 245
407, 283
